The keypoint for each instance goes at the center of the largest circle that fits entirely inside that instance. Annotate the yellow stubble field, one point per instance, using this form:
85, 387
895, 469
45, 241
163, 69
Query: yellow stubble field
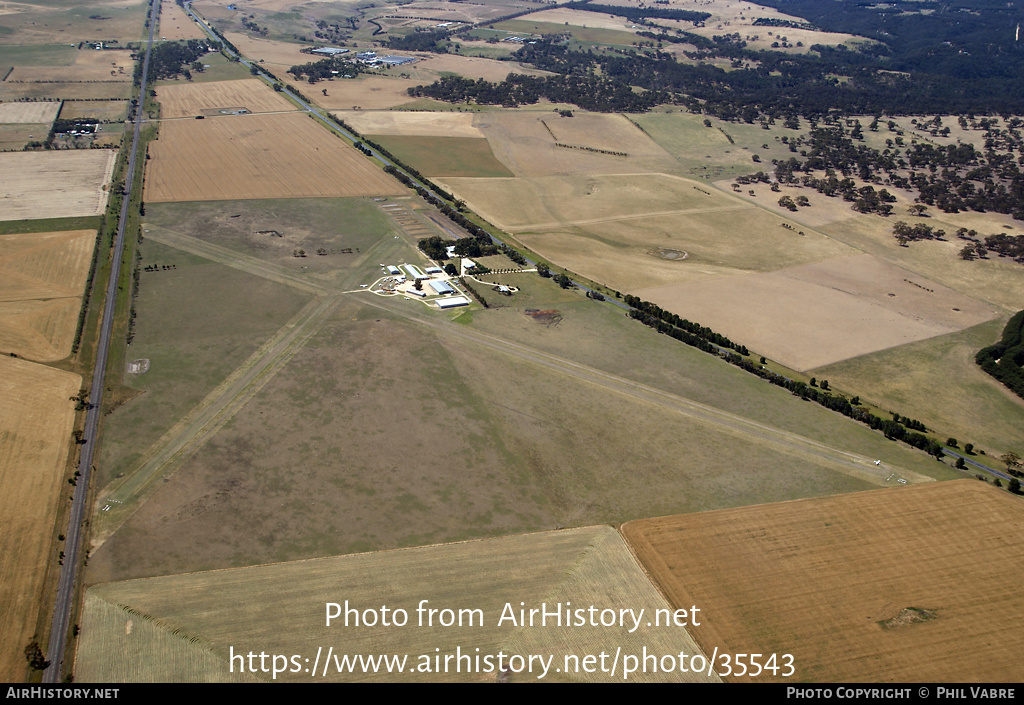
31, 112
42, 277
175, 24
281, 608
257, 156
916, 584
36, 418
54, 184
191, 99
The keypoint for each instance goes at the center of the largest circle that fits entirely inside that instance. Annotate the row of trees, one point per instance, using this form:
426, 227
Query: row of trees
655, 312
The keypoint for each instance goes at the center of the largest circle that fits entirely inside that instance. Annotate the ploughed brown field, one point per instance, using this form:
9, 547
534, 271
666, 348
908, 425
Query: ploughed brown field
912, 584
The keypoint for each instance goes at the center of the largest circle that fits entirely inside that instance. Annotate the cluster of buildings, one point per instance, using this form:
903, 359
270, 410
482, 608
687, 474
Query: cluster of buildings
370, 58
403, 279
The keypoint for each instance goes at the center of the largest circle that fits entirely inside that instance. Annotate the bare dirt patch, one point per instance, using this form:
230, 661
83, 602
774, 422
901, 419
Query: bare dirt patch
36, 419
257, 156
54, 184
816, 314
191, 99
821, 579
36, 112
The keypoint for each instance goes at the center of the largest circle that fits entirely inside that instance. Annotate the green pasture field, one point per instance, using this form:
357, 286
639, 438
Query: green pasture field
705, 152
584, 35
445, 156
74, 21
15, 136
143, 631
599, 335
195, 324
487, 51
47, 225
273, 230
938, 382
220, 70
390, 428
37, 54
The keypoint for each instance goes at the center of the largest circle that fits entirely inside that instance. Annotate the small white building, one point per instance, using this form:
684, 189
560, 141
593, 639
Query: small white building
452, 301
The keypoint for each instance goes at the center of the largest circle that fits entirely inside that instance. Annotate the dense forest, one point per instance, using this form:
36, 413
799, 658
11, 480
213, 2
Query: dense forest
954, 60
1005, 359
169, 59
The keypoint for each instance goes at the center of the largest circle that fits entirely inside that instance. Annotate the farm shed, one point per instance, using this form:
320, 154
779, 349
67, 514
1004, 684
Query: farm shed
441, 288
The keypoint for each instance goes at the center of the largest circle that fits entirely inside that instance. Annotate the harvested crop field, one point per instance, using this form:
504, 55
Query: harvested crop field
35, 434
114, 110
54, 184
39, 330
874, 586
258, 156
68, 74
175, 24
280, 609
69, 90
34, 112
396, 122
42, 276
445, 156
816, 314
191, 99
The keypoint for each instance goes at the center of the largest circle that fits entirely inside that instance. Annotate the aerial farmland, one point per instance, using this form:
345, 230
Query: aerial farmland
352, 331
